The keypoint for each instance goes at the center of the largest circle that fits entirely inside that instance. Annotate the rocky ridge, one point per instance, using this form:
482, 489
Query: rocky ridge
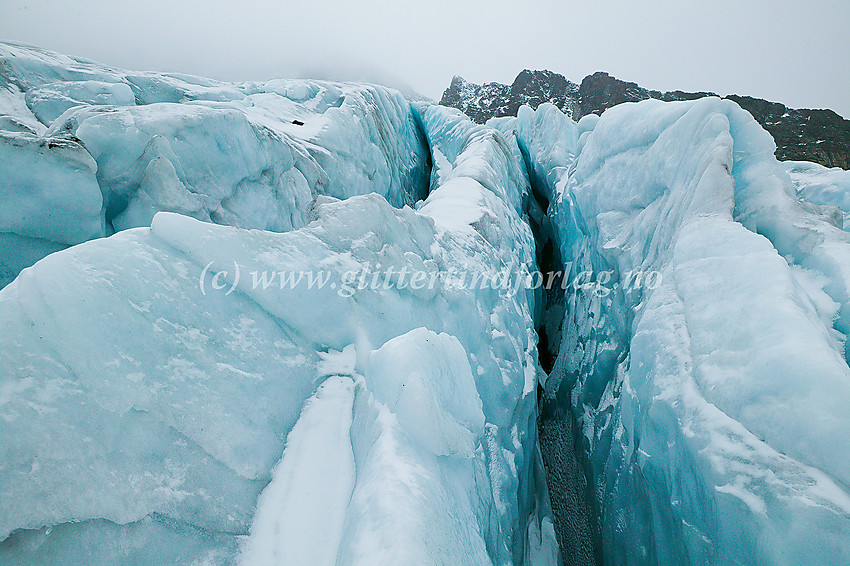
820, 136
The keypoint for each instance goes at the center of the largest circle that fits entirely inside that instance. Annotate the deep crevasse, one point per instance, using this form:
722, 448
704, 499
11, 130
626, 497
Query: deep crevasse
149, 416
712, 402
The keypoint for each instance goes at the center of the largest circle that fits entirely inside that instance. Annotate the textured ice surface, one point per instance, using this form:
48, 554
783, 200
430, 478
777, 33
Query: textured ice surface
87, 150
190, 426
185, 391
712, 399
311, 486
821, 185
49, 199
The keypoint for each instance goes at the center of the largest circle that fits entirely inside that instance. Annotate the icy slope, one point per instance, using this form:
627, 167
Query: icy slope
167, 418
291, 365
88, 150
707, 367
821, 185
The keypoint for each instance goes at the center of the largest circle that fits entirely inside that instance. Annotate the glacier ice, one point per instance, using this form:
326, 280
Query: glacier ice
110, 148
712, 402
311, 485
821, 185
198, 420
176, 387
49, 199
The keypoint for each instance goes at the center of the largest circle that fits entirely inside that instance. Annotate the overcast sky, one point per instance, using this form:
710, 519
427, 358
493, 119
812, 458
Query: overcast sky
796, 52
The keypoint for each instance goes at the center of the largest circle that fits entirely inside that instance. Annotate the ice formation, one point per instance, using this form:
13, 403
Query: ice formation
712, 399
189, 427
90, 150
230, 363
817, 184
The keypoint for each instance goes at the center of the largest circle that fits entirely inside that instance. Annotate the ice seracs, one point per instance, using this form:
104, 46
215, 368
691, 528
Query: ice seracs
821, 185
148, 142
227, 364
199, 431
711, 403
49, 199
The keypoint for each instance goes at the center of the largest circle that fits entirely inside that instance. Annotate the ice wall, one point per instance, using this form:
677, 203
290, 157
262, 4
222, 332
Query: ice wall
706, 368
821, 185
167, 419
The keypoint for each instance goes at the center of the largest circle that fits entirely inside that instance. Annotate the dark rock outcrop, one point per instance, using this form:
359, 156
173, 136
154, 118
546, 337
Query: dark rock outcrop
479, 102
821, 136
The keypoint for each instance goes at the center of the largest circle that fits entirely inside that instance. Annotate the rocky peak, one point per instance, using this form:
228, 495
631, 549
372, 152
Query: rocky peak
821, 136
536, 87
600, 91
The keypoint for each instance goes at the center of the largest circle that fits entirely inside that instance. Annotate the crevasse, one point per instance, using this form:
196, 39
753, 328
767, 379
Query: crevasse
712, 403
167, 394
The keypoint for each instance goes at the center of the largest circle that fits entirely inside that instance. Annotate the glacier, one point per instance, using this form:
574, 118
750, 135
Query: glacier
711, 402
214, 400
176, 387
821, 185
110, 148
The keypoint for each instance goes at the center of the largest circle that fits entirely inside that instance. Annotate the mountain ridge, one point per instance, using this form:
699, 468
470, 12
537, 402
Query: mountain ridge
817, 135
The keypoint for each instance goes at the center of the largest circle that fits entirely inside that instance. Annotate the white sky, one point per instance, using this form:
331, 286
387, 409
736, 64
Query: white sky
796, 52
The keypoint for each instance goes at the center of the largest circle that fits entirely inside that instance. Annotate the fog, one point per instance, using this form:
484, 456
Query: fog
792, 52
